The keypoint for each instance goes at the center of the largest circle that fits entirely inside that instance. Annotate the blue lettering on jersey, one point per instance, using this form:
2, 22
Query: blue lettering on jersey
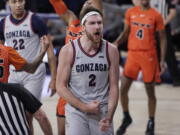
91, 67
20, 33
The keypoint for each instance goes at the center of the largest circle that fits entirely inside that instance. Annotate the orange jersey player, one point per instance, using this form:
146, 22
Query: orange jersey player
141, 24
9, 56
73, 31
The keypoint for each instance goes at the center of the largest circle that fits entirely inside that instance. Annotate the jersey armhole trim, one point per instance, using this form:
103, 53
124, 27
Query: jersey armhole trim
74, 52
107, 53
31, 24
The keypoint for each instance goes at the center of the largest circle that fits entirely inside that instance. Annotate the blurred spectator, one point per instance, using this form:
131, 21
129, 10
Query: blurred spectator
124, 2
168, 11
110, 1
40, 6
57, 30
75, 5
175, 2
175, 32
175, 24
2, 4
113, 21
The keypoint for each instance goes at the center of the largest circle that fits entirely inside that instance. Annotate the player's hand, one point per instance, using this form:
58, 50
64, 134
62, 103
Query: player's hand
92, 107
104, 124
44, 41
52, 87
163, 67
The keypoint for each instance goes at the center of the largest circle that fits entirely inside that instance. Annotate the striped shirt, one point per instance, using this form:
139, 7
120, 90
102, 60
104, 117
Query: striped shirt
163, 6
14, 101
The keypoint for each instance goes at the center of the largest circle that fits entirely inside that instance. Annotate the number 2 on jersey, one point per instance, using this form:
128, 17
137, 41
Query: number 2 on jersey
18, 44
1, 69
140, 34
92, 82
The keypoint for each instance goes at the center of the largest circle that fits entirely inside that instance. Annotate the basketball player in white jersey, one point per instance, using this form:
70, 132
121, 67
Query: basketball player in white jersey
22, 31
87, 78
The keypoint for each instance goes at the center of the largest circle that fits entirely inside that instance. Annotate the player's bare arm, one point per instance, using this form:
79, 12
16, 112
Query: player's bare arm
163, 46
114, 87
68, 17
53, 69
113, 80
31, 67
123, 36
61, 9
63, 74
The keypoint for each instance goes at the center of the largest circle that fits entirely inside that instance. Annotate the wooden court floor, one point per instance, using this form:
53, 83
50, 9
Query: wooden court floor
167, 114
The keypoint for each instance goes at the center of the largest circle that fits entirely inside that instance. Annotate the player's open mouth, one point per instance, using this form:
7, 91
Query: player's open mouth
97, 33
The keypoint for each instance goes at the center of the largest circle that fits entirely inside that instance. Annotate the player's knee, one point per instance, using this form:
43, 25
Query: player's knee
152, 98
124, 87
123, 92
40, 115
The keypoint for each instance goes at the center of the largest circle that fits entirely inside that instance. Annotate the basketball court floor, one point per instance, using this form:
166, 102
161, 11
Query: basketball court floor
167, 114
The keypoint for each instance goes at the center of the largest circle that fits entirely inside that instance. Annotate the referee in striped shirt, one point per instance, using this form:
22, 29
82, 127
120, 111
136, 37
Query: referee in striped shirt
168, 11
15, 101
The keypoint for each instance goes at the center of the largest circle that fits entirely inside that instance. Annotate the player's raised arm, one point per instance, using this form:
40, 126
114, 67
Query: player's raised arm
61, 9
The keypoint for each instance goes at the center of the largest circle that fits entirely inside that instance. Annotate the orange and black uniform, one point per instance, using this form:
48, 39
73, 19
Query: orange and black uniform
9, 56
142, 53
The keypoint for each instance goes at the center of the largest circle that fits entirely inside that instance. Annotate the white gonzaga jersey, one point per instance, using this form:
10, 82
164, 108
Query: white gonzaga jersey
89, 79
22, 38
